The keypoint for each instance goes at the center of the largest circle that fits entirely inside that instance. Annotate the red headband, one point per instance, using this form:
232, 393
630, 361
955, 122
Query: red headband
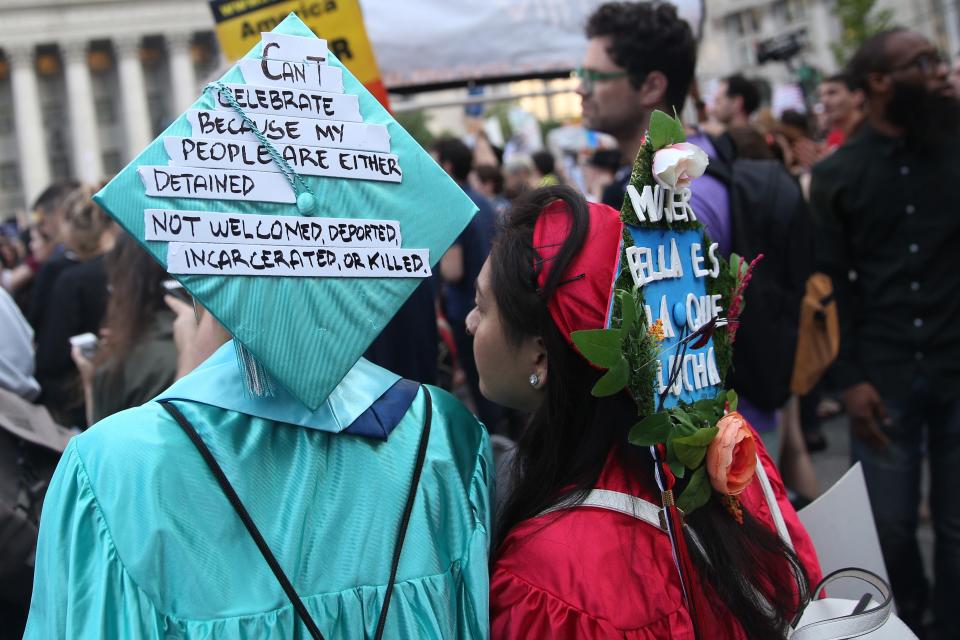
582, 300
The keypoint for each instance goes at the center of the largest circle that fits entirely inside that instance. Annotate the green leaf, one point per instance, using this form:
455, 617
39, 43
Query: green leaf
702, 438
697, 492
653, 429
602, 347
628, 312
614, 380
665, 130
677, 468
735, 265
689, 455
711, 406
684, 423
732, 399
681, 132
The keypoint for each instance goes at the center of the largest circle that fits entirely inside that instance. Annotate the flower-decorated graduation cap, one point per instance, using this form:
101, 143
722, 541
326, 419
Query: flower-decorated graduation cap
291, 205
672, 316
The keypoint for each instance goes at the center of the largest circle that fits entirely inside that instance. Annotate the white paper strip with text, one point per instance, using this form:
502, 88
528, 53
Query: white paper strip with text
290, 130
170, 225
216, 184
265, 260
292, 102
310, 161
286, 73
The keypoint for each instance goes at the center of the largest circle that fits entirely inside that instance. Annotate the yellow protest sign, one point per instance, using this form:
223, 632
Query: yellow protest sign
339, 22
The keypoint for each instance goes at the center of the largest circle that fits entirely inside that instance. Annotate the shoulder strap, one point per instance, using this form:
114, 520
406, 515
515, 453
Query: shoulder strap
626, 504
773, 505
860, 622
408, 508
254, 532
252, 529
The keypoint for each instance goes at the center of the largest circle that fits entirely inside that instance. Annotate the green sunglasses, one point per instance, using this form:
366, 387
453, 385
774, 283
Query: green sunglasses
588, 77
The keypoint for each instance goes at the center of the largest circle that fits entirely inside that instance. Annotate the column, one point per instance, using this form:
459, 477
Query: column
31, 145
182, 74
85, 145
952, 23
133, 96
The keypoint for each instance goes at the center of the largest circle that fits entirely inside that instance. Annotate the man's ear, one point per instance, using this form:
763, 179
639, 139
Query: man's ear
653, 91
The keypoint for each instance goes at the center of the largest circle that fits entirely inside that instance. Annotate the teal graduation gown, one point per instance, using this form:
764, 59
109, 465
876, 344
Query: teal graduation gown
137, 539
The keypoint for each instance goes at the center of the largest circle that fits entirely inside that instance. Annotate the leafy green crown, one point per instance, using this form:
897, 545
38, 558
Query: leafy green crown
630, 348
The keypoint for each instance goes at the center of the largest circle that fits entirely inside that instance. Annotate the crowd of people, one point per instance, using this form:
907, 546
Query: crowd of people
858, 190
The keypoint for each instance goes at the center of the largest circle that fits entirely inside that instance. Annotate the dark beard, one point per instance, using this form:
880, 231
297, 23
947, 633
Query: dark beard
928, 118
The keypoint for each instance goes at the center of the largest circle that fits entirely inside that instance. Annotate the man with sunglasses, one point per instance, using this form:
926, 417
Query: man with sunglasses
888, 202
640, 57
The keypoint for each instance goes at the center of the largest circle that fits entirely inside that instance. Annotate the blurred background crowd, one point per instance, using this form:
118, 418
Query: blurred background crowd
90, 324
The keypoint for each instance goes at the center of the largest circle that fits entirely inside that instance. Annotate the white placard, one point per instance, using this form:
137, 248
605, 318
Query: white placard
840, 524
290, 129
292, 102
265, 260
278, 46
289, 74
171, 225
310, 161
215, 184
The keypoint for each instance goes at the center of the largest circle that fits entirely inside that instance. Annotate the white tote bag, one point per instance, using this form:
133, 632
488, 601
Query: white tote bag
840, 618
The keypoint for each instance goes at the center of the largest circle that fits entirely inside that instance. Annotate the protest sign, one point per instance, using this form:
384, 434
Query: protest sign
240, 22
293, 207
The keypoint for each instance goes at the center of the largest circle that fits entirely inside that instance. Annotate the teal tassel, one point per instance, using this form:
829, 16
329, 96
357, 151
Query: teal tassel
257, 379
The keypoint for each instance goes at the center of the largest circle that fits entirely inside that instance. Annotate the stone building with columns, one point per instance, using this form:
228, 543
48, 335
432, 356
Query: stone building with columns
87, 84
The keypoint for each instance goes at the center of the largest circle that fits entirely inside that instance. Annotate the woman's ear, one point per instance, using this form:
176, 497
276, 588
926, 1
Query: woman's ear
537, 357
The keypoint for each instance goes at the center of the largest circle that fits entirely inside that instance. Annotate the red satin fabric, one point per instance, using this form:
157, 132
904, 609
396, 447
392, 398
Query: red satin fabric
592, 573
582, 302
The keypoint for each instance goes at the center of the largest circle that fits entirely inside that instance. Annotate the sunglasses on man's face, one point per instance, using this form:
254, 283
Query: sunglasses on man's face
589, 77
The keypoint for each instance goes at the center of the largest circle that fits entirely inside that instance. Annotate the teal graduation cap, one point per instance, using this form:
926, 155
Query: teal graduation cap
291, 204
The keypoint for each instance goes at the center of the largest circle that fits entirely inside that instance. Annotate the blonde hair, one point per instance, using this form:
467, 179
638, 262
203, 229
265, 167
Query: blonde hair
84, 222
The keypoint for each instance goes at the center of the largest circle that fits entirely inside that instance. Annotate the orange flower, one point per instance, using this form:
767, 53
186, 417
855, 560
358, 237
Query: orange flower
732, 456
656, 330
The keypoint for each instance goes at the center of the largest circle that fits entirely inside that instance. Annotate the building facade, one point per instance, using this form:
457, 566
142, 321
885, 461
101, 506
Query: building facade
85, 85
734, 28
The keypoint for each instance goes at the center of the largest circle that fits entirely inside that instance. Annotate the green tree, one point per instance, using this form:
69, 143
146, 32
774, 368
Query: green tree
415, 123
858, 20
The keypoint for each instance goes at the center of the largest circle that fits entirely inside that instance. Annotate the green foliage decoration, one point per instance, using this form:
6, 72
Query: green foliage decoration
629, 351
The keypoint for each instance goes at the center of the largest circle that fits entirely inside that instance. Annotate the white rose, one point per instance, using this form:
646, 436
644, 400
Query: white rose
675, 165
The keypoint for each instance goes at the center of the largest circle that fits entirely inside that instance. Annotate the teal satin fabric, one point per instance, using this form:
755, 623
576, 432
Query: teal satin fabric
137, 540
218, 382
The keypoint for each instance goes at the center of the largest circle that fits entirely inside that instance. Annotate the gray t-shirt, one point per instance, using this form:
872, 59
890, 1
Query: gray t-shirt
16, 351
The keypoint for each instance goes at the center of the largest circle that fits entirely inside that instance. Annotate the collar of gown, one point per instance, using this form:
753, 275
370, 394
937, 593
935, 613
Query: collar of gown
370, 401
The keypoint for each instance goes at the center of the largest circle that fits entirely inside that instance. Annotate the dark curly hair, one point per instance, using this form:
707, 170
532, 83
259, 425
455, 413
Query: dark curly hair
645, 37
739, 85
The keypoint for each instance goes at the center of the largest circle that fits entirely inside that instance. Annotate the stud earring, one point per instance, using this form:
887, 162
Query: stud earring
534, 380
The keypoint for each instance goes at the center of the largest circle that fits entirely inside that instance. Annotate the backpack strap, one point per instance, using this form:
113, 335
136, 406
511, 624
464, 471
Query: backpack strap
252, 529
262, 545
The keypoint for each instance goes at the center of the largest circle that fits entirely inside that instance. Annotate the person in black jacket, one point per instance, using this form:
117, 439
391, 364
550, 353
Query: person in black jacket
887, 203
77, 305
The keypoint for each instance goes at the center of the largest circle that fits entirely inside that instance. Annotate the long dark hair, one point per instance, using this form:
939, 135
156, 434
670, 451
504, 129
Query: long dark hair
136, 295
563, 449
